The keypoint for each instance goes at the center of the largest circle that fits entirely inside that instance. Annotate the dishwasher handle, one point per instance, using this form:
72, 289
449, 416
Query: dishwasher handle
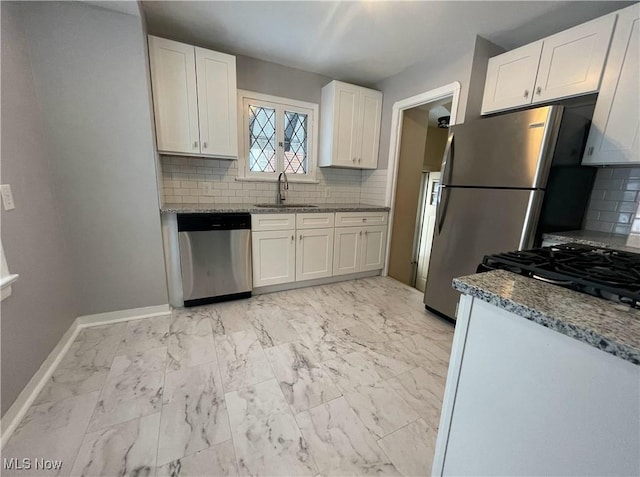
213, 222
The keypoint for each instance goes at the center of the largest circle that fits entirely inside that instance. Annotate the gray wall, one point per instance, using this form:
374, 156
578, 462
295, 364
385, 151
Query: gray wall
418, 79
89, 67
483, 50
270, 78
43, 304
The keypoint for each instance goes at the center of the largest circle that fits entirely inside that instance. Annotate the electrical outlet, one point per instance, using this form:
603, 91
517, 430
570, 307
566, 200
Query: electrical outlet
7, 197
207, 188
327, 193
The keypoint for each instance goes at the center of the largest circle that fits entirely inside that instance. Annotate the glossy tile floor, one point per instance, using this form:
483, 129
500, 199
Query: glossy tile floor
342, 379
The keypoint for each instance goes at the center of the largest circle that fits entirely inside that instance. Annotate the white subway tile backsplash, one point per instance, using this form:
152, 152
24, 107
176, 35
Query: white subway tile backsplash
184, 181
614, 200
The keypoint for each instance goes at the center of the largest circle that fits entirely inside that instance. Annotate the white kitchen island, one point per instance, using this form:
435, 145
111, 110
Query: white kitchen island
542, 381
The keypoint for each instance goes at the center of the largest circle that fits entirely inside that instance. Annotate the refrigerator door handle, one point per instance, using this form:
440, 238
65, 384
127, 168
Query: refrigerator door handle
443, 203
447, 161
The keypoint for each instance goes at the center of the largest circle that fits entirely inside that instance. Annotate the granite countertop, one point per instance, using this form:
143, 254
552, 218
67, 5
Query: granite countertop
249, 208
595, 239
606, 325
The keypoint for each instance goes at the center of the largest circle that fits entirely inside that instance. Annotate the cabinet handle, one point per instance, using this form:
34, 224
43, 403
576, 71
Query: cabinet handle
354, 159
539, 90
195, 144
360, 233
204, 145
526, 93
364, 219
301, 237
365, 232
590, 151
292, 238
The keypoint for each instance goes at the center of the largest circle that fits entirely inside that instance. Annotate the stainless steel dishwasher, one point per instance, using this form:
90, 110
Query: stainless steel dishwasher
215, 257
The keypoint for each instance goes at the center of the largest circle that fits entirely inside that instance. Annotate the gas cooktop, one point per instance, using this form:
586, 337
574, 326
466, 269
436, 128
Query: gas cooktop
602, 272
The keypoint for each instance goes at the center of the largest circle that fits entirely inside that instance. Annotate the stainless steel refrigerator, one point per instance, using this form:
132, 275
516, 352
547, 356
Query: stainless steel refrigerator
494, 175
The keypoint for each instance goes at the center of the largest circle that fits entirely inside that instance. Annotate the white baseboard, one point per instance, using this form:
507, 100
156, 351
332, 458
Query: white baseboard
314, 282
123, 315
25, 399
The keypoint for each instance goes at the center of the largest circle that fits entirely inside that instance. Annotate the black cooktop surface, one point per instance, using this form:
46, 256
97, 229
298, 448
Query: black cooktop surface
602, 272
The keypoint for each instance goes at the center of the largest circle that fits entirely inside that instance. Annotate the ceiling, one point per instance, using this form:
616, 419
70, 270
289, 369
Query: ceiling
364, 41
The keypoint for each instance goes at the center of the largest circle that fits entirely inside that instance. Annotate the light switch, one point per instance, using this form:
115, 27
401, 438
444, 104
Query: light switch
7, 197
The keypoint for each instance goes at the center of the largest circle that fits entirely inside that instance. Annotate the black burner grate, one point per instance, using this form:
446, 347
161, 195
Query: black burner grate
602, 272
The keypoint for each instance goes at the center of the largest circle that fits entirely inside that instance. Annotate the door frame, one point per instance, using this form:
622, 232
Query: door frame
451, 90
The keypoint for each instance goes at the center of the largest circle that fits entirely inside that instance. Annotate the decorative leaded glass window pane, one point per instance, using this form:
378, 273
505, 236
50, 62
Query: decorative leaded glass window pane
262, 139
295, 143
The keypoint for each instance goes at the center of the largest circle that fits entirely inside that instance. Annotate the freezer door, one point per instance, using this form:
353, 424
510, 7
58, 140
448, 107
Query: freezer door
471, 223
512, 150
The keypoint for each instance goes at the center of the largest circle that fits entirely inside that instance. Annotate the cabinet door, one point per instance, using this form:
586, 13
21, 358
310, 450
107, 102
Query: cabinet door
217, 103
173, 81
347, 250
615, 129
369, 113
511, 77
314, 254
345, 150
572, 61
274, 255
373, 248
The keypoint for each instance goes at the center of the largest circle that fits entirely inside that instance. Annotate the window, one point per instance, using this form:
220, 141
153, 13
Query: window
278, 135
6, 278
434, 193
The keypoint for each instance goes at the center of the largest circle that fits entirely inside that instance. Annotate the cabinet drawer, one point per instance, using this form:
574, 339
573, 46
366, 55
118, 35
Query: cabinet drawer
315, 221
265, 222
358, 219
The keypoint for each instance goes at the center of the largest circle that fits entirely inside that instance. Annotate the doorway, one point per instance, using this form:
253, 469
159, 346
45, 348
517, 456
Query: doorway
426, 226
416, 151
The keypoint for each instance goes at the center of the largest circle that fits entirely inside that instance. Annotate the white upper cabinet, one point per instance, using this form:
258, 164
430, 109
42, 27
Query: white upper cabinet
370, 114
349, 126
173, 75
217, 103
569, 63
511, 78
572, 61
194, 99
615, 129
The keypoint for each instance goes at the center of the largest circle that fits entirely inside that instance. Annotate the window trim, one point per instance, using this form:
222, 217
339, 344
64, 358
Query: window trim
244, 174
6, 278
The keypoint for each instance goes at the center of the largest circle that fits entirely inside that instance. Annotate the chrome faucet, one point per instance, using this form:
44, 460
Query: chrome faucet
280, 192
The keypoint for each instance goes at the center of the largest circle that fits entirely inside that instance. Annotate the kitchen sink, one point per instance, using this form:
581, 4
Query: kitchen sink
283, 206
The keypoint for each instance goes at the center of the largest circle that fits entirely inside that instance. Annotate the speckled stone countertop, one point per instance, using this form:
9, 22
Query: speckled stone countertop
252, 209
609, 326
595, 239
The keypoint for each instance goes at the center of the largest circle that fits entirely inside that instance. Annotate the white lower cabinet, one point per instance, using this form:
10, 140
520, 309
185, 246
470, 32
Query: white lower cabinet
274, 257
373, 248
301, 247
314, 254
359, 249
347, 250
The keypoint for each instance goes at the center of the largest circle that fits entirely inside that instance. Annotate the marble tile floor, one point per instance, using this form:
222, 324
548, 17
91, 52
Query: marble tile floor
341, 379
